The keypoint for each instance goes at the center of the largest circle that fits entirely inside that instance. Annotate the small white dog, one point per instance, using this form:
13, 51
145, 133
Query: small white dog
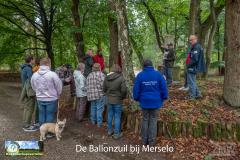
56, 128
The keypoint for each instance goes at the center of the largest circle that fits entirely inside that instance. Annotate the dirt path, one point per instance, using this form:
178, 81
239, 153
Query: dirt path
74, 134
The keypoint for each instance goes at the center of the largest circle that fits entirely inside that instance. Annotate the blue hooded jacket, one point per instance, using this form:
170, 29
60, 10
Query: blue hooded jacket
150, 88
26, 73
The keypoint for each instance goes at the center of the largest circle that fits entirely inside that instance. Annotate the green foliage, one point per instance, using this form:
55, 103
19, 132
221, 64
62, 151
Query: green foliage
172, 17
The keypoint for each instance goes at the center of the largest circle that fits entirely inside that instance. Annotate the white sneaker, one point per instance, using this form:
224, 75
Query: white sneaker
181, 88
185, 89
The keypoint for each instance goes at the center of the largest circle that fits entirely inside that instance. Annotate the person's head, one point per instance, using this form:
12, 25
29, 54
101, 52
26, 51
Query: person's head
193, 39
90, 52
66, 67
147, 63
29, 59
45, 62
37, 61
96, 67
170, 45
99, 50
81, 67
116, 68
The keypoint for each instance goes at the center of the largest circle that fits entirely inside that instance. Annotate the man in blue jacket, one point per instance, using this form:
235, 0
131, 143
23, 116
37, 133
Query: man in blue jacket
150, 90
26, 69
195, 64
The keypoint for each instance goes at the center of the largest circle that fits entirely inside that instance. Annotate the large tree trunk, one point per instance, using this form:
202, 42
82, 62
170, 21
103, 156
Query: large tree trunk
210, 38
125, 49
113, 36
113, 29
78, 36
194, 15
231, 90
50, 53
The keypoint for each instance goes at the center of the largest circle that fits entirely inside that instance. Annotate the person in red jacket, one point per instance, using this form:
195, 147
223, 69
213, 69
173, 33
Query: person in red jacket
98, 58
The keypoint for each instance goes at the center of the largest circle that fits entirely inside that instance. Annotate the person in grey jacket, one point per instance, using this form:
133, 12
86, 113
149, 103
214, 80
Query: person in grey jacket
115, 89
48, 88
81, 92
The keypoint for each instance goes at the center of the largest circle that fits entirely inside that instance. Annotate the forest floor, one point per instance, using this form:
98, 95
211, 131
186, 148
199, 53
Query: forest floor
75, 133
210, 108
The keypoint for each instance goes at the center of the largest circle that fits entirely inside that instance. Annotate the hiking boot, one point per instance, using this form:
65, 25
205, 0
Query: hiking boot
117, 136
31, 128
190, 98
199, 97
36, 124
25, 127
110, 133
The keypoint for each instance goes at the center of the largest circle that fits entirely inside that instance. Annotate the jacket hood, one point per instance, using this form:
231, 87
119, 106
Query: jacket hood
112, 76
26, 65
43, 70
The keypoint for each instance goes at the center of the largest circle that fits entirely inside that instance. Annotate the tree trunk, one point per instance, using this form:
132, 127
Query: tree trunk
113, 29
218, 47
231, 90
210, 39
194, 14
50, 53
78, 36
99, 43
125, 49
155, 25
137, 50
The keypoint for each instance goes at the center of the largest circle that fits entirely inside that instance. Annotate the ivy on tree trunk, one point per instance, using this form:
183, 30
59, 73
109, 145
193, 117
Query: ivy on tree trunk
126, 51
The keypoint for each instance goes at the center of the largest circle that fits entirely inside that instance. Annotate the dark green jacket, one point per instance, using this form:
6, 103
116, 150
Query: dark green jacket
88, 61
115, 88
28, 95
169, 62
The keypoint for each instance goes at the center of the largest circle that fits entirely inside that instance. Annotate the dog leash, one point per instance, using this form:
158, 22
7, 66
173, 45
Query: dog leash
58, 107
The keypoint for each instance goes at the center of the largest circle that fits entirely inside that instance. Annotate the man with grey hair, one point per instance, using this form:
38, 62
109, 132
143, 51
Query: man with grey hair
195, 64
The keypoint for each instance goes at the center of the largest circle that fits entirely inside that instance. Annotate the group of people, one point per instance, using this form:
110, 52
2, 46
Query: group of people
94, 88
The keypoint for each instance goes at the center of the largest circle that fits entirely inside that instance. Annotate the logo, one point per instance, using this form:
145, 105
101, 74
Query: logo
13, 148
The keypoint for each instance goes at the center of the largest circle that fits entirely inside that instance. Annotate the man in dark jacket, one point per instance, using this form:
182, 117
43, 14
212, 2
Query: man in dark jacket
168, 63
26, 69
115, 89
150, 90
27, 97
88, 61
195, 63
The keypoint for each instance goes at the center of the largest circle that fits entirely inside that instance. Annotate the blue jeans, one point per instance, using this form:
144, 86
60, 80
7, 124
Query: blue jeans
97, 108
168, 74
149, 126
47, 110
114, 111
193, 88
